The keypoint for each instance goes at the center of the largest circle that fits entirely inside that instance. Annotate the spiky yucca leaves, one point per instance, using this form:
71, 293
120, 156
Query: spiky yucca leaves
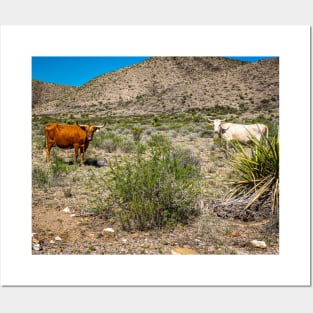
257, 172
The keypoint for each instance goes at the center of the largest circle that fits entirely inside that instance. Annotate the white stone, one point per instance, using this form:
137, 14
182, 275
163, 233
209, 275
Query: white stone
183, 251
109, 230
57, 238
258, 244
66, 210
37, 247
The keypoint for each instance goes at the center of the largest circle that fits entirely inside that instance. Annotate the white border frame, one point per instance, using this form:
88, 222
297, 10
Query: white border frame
20, 267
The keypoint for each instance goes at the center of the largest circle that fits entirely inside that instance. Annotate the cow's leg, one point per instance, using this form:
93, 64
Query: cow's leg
227, 150
48, 149
76, 153
47, 154
82, 150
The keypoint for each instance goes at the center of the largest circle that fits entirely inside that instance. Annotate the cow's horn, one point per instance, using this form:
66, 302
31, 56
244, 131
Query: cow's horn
99, 126
209, 119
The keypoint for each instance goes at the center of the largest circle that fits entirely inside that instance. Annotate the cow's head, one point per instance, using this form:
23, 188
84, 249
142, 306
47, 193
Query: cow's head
219, 126
90, 129
216, 125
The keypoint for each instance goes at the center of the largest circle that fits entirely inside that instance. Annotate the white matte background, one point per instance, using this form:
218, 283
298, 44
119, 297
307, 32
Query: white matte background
153, 270
186, 299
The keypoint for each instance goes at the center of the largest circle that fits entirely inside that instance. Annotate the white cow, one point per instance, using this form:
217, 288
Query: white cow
239, 132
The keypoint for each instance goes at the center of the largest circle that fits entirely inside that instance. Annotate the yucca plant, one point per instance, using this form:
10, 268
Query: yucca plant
256, 172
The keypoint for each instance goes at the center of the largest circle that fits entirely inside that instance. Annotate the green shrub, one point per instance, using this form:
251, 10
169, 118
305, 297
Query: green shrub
50, 176
137, 132
127, 146
265, 101
40, 176
156, 121
198, 118
159, 142
58, 166
242, 107
156, 189
109, 142
172, 133
207, 133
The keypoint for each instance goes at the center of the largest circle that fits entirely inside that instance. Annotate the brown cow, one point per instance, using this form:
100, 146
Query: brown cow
68, 137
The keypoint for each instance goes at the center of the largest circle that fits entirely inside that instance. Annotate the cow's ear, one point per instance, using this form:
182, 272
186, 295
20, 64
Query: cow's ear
223, 127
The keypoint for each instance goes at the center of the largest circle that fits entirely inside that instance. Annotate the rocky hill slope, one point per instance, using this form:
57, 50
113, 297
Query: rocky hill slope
166, 85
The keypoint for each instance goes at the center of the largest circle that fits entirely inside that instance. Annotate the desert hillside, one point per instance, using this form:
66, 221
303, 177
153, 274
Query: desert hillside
167, 85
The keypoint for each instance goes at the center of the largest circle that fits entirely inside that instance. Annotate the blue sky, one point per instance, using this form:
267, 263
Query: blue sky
250, 59
76, 71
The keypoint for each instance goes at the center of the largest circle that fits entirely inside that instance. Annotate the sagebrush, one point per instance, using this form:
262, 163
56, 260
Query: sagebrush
158, 187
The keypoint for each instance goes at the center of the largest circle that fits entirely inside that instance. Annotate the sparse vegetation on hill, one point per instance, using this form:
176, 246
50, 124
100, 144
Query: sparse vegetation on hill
49, 93
168, 85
